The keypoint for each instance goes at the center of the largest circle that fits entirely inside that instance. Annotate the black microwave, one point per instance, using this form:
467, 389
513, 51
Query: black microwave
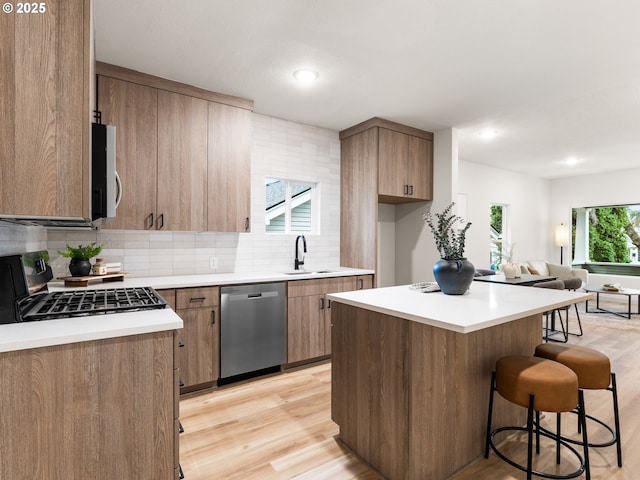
106, 189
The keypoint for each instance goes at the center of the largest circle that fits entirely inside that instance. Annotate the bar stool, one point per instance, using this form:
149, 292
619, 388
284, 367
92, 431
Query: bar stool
593, 369
556, 285
573, 284
539, 385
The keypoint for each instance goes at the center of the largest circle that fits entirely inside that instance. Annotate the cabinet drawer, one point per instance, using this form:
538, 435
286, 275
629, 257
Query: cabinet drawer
321, 286
197, 297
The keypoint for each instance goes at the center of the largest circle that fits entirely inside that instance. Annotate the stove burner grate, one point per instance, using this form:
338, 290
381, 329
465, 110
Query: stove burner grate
90, 302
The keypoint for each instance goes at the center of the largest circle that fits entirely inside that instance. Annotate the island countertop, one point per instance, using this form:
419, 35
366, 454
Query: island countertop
484, 305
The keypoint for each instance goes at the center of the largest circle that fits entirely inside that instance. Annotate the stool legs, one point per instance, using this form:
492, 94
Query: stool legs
616, 418
487, 439
584, 461
615, 434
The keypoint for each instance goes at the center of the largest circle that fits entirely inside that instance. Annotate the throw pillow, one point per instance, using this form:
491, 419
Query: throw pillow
563, 272
524, 269
538, 267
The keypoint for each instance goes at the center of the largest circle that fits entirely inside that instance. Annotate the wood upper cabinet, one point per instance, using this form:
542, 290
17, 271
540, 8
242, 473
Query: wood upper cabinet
182, 162
229, 173
133, 109
380, 162
405, 167
46, 110
183, 153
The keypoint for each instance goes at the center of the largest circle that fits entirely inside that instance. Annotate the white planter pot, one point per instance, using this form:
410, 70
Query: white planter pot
510, 270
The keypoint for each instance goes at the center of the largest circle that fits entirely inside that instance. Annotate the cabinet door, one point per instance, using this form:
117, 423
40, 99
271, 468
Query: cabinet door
44, 100
182, 162
420, 168
359, 200
393, 149
229, 168
305, 329
199, 357
364, 282
133, 109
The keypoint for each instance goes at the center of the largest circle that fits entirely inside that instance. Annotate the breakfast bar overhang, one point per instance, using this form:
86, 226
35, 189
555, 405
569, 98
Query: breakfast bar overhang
411, 371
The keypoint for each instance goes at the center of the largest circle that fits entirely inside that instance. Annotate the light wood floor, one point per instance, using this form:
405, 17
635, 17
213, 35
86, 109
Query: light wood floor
280, 427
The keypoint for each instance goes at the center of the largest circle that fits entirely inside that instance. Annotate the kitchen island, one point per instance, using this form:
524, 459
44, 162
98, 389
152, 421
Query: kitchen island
411, 371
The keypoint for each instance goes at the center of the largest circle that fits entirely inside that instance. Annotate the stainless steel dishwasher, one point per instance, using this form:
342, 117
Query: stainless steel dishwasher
253, 333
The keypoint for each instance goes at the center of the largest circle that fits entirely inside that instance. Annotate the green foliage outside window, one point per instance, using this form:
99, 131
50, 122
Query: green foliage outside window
496, 218
607, 237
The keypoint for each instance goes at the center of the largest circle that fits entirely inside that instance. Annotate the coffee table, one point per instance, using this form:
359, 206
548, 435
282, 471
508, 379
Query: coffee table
629, 292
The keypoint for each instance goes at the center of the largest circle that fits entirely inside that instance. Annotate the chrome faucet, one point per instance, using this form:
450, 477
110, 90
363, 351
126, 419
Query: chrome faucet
297, 262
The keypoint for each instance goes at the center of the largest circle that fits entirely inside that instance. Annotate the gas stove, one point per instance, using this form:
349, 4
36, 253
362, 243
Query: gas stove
89, 302
24, 295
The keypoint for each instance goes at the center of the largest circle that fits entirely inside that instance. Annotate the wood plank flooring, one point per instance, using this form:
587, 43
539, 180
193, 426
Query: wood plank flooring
280, 427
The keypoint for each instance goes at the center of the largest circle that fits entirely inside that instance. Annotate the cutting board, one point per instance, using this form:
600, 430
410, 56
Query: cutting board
84, 281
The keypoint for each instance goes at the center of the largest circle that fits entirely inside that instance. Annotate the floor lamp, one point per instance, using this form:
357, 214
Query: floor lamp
562, 238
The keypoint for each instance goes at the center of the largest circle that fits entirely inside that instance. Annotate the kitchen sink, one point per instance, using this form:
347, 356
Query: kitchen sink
315, 272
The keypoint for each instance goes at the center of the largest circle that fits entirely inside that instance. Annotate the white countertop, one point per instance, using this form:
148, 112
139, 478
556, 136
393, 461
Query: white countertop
45, 333
183, 281
484, 305
22, 336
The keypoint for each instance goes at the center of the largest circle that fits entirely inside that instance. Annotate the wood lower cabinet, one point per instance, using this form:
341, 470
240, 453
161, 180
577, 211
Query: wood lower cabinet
169, 296
200, 337
309, 314
100, 409
46, 110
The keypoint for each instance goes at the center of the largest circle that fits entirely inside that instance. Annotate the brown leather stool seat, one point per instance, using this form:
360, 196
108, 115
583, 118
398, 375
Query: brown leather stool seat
537, 384
555, 387
593, 370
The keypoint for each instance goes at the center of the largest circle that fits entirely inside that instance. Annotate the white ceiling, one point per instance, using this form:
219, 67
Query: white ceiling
555, 78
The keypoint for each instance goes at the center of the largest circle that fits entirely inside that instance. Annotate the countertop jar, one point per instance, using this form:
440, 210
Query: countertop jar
99, 268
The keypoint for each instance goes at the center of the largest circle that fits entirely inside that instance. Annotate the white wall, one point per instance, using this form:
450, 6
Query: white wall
528, 204
280, 149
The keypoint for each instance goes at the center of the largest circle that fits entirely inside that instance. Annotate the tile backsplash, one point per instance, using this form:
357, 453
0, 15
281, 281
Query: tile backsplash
280, 148
17, 239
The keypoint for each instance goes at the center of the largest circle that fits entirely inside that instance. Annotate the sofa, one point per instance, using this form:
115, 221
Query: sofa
562, 272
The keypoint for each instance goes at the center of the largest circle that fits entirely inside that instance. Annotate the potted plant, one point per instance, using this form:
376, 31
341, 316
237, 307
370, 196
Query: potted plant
80, 265
453, 272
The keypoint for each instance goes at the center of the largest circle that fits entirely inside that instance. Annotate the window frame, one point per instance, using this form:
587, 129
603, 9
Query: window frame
290, 204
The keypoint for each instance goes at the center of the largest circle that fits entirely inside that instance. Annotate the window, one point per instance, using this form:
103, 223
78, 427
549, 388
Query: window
290, 206
498, 233
608, 234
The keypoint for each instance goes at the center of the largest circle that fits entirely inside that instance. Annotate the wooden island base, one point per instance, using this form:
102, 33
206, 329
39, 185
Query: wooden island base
411, 399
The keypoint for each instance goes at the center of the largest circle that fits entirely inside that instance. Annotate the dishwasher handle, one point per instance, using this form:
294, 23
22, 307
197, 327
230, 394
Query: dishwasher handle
252, 296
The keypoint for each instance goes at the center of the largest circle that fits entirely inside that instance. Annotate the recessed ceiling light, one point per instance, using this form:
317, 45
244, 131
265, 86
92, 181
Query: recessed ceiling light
305, 75
488, 134
571, 161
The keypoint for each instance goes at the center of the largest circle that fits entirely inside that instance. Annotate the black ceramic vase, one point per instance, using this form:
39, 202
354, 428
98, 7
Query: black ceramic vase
79, 267
453, 276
